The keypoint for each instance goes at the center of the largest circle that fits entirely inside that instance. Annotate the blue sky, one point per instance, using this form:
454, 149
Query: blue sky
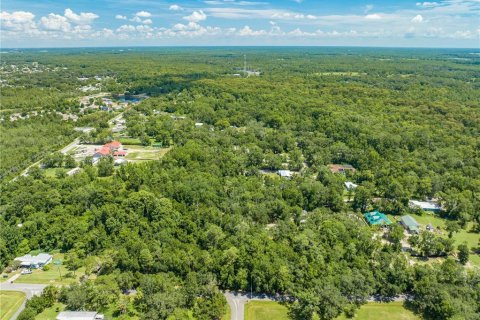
60, 23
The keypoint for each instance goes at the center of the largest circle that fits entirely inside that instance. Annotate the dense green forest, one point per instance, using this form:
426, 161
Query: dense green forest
212, 216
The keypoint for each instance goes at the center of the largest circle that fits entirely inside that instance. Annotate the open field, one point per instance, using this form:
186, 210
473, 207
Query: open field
140, 153
265, 310
51, 276
383, 311
10, 301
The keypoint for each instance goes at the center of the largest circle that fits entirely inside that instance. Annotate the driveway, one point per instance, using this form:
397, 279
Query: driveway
30, 290
237, 301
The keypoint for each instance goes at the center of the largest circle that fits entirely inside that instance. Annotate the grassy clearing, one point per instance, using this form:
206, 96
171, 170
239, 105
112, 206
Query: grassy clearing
383, 311
265, 310
463, 235
51, 313
141, 153
51, 276
10, 301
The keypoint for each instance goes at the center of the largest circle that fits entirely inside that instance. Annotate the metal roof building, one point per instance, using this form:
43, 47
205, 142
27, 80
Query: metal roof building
377, 218
79, 315
410, 224
34, 261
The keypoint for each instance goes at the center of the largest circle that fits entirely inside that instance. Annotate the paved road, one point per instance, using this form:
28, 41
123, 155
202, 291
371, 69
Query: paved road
237, 301
30, 290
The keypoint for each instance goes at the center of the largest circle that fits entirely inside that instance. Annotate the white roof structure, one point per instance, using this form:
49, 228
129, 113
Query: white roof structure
79, 315
350, 185
285, 173
424, 205
29, 260
198, 124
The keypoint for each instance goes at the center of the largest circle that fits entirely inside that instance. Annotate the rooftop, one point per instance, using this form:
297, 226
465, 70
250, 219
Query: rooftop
41, 258
425, 205
409, 222
78, 315
376, 218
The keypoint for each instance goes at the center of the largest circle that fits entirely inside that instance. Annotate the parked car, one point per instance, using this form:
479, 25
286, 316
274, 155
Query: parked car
26, 271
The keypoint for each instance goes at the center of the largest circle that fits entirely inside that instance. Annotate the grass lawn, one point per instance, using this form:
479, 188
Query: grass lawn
51, 313
265, 310
141, 153
10, 301
228, 313
383, 311
459, 237
51, 276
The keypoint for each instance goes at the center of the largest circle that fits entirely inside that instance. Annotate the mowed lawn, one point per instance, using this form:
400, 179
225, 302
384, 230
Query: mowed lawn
383, 311
10, 301
51, 313
460, 237
53, 275
265, 310
141, 153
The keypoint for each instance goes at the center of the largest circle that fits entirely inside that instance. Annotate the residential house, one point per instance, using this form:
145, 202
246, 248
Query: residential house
350, 185
287, 174
34, 262
79, 315
341, 168
431, 206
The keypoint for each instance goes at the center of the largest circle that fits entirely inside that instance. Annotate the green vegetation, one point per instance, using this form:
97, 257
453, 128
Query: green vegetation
265, 310
52, 275
383, 311
10, 301
51, 312
211, 214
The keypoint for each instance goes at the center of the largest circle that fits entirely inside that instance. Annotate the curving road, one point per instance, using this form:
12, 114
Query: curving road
237, 301
30, 290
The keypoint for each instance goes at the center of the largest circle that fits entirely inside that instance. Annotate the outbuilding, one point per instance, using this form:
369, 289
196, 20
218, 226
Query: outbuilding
376, 218
410, 224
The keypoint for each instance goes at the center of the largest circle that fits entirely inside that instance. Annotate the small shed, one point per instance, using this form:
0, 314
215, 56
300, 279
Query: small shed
409, 223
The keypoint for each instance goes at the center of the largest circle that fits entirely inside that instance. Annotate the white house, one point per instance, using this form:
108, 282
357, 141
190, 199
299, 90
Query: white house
79, 315
350, 185
38, 261
285, 173
432, 206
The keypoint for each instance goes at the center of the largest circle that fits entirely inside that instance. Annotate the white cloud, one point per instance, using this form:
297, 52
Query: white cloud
427, 4
82, 18
374, 16
17, 20
143, 14
126, 28
175, 7
120, 17
55, 22
247, 31
147, 21
368, 8
196, 16
417, 19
